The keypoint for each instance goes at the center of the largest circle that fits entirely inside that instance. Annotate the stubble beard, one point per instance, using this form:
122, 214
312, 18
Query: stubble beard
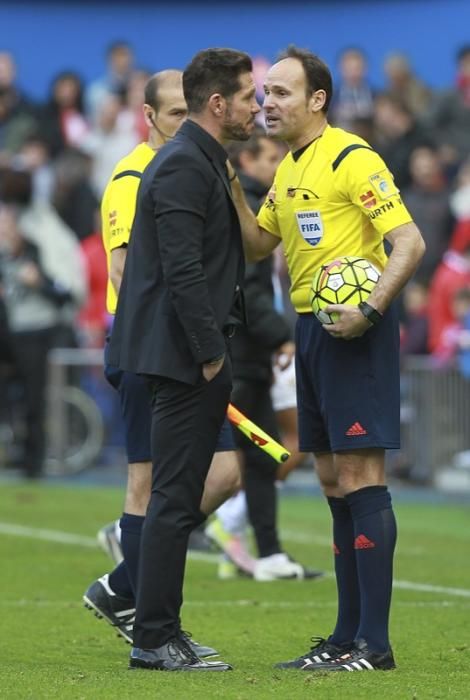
235, 131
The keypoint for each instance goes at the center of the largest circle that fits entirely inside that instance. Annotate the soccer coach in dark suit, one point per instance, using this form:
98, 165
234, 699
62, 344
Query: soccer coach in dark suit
179, 299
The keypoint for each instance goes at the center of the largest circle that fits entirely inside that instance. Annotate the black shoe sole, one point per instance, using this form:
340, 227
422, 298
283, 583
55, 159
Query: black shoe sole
323, 669
89, 605
136, 665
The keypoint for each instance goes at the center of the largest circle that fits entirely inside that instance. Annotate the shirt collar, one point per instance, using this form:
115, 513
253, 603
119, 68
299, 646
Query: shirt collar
207, 142
296, 154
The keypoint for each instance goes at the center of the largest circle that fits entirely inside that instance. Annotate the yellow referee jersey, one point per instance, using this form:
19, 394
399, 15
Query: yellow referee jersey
337, 198
118, 206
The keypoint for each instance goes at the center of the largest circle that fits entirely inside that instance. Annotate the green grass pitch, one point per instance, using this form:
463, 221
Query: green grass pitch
51, 647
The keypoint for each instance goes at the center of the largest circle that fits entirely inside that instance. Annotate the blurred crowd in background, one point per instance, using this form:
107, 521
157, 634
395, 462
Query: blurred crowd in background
56, 157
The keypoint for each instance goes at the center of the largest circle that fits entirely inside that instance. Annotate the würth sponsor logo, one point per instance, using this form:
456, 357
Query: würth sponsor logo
363, 542
356, 429
368, 199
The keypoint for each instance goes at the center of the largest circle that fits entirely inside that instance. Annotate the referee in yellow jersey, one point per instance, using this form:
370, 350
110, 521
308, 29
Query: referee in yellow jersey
113, 595
333, 196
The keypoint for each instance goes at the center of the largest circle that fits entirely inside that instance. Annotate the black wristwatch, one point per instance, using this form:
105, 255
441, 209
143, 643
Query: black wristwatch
371, 314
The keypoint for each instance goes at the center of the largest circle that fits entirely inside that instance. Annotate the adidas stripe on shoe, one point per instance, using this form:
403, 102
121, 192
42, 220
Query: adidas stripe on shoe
119, 612
321, 652
359, 658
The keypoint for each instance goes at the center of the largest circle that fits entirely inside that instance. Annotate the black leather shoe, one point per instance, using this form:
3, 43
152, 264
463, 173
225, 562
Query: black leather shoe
175, 655
200, 650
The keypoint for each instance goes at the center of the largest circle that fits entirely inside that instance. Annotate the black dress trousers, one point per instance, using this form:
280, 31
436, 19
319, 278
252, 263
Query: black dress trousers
186, 422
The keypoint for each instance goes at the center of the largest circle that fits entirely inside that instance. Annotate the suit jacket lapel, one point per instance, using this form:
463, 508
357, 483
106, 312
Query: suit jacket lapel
206, 144
224, 177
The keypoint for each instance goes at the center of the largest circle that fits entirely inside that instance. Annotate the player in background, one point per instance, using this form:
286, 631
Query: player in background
113, 595
334, 196
266, 338
283, 393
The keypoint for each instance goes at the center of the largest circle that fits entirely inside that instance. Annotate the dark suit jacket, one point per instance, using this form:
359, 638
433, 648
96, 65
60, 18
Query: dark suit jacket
184, 265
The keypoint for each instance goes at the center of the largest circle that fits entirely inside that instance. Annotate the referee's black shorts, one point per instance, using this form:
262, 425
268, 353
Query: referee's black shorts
348, 391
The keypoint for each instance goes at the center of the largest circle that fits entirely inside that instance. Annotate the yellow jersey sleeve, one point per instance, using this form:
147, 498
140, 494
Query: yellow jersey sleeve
267, 217
366, 181
121, 203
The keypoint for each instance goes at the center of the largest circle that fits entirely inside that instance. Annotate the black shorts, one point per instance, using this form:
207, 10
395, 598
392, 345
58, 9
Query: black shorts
135, 398
348, 391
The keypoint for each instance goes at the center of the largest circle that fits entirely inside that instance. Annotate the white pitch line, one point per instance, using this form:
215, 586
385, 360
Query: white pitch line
79, 540
429, 588
84, 541
48, 535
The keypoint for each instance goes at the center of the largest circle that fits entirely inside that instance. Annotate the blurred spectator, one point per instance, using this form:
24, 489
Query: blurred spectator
427, 199
352, 98
397, 135
33, 300
17, 115
8, 82
460, 198
34, 157
261, 65
450, 116
109, 141
93, 317
63, 121
403, 84
452, 274
120, 62
363, 127
16, 124
15, 186
57, 244
132, 116
454, 342
73, 196
414, 329
7, 363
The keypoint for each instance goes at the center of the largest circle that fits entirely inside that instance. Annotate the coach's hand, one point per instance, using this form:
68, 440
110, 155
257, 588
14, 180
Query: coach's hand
212, 369
350, 324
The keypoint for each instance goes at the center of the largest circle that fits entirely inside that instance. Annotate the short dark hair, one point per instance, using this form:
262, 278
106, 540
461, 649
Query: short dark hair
212, 71
16, 186
317, 73
396, 101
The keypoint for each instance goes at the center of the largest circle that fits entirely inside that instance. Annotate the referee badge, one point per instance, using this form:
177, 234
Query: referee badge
310, 226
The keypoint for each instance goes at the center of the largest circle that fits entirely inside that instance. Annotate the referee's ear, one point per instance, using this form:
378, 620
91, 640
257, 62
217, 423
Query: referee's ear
149, 115
317, 100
